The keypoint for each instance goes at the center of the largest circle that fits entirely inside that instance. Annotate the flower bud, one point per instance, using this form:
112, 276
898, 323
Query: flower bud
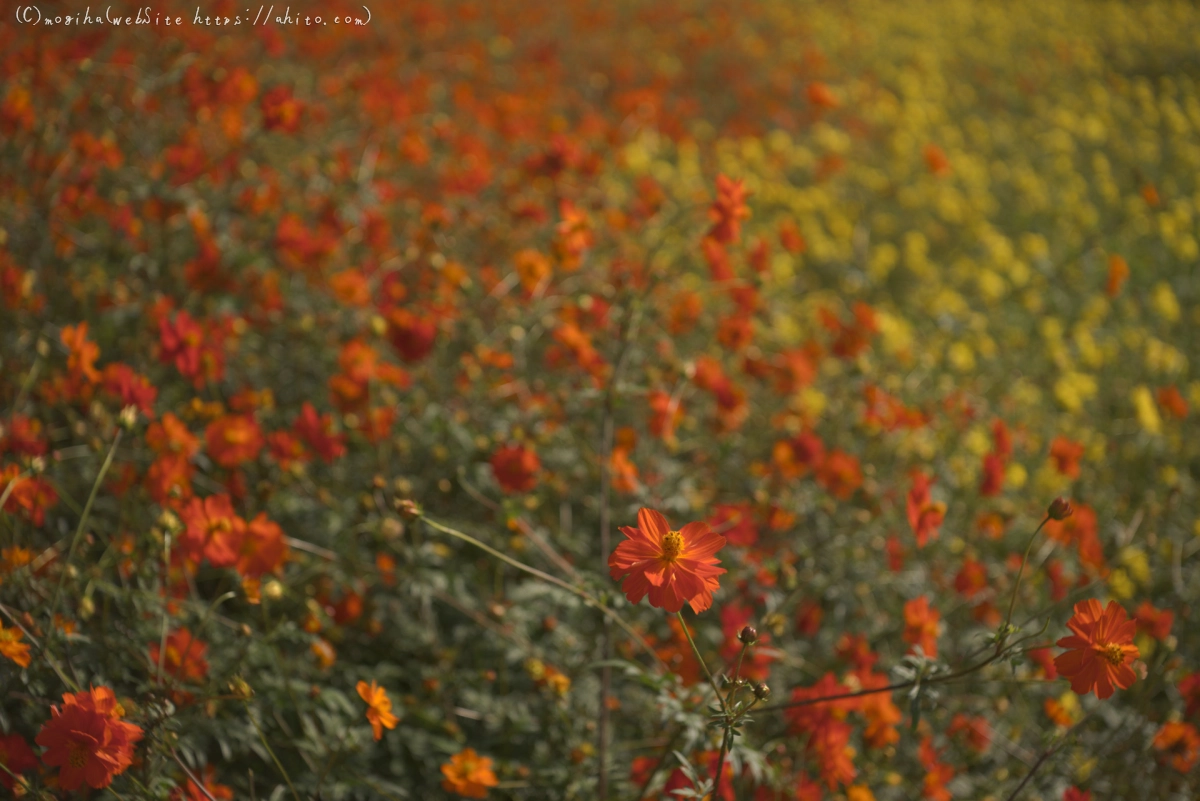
761, 691
748, 635
408, 509
1060, 509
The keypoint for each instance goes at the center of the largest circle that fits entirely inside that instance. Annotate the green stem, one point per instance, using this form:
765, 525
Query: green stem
1012, 602
87, 509
703, 664
726, 737
557, 582
12, 485
263, 739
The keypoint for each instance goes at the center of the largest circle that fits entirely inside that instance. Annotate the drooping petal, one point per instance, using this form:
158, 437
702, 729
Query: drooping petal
635, 587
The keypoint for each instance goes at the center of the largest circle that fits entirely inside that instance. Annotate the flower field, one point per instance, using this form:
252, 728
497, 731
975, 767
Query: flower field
767, 401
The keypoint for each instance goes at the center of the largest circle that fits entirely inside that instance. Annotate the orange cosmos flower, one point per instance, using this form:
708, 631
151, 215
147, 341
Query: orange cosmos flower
12, 647
213, 532
921, 625
233, 440
728, 211
171, 435
1066, 454
1172, 402
468, 774
16, 757
184, 658
87, 740
516, 468
83, 354
379, 707
1179, 744
924, 513
671, 566
1099, 650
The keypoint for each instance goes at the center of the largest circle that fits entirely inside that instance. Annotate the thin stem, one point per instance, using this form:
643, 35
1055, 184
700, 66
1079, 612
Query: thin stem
903, 685
737, 670
703, 664
1012, 602
162, 645
557, 582
12, 485
195, 780
726, 738
87, 509
1045, 755
263, 739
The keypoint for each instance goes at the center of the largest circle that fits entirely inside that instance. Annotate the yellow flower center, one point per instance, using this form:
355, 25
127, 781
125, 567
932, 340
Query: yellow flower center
1113, 653
672, 545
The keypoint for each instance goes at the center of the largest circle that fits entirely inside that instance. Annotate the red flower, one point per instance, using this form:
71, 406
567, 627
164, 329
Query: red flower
32, 496
197, 352
797, 456
921, 626
822, 96
17, 757
411, 335
1066, 455
728, 211
233, 440
935, 159
736, 523
993, 475
169, 478
1099, 650
678, 780
1155, 622
171, 435
516, 468
1180, 744
1189, 688
213, 531
972, 579
1172, 402
281, 111
1075, 794
130, 387
264, 549
87, 740
184, 658
924, 514
286, 448
840, 475
975, 730
23, 435
880, 712
317, 431
82, 354
673, 567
